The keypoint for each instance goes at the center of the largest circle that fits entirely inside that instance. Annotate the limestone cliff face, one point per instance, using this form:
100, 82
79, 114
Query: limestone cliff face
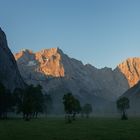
131, 69
47, 62
50, 62
59, 74
9, 74
53, 69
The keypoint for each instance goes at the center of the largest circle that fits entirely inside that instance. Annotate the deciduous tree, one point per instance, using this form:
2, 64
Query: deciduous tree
123, 105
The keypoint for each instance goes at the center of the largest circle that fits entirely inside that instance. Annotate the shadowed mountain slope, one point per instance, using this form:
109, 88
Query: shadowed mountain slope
9, 73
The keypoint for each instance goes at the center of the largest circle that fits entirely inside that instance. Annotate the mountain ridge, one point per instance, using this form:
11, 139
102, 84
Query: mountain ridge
58, 73
130, 68
9, 73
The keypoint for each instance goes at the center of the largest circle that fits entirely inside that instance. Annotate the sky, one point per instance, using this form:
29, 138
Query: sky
99, 32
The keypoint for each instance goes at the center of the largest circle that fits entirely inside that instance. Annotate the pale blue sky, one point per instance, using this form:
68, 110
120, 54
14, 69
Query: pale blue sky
99, 32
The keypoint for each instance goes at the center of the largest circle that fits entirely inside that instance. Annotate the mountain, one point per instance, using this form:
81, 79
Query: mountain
131, 69
133, 92
51, 67
59, 74
134, 96
9, 73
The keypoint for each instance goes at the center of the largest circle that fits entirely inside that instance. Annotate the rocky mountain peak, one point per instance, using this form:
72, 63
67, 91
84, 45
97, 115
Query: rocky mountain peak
51, 68
50, 62
9, 74
23, 53
131, 69
46, 61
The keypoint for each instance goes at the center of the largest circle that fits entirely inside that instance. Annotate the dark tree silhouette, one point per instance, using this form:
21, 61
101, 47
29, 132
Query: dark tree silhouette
48, 104
29, 101
87, 109
6, 101
18, 95
123, 105
76, 108
71, 106
38, 101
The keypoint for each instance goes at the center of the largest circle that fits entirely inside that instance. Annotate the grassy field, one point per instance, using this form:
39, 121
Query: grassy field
81, 129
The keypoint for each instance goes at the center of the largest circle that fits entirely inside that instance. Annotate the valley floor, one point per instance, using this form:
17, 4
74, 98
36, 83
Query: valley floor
81, 129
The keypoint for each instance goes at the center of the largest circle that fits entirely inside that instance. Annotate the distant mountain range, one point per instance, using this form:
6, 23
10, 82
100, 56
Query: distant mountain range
59, 74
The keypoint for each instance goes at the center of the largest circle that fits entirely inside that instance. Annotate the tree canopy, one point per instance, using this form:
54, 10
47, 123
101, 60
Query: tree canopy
29, 101
123, 105
71, 106
6, 101
87, 109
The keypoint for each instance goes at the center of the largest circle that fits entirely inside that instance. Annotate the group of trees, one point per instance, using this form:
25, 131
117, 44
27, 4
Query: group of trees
72, 107
29, 101
86, 110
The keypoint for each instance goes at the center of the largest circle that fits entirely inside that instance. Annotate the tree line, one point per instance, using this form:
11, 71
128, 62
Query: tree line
29, 101
72, 107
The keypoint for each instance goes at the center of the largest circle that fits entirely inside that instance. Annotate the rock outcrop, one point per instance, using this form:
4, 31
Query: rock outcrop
47, 62
131, 69
9, 73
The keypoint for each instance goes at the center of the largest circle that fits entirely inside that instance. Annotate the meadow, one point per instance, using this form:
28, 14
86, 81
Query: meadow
81, 129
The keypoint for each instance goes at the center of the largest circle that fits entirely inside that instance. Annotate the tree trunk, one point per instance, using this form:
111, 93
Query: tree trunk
36, 115
124, 116
74, 116
27, 117
69, 118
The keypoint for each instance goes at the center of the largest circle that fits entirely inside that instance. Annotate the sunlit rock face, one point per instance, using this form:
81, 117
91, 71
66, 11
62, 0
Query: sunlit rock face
50, 62
9, 74
131, 69
47, 62
53, 69
59, 74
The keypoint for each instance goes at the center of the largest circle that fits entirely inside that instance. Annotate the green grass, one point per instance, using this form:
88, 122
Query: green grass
81, 129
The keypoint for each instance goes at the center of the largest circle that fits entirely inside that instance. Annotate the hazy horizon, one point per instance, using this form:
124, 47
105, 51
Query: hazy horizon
102, 33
